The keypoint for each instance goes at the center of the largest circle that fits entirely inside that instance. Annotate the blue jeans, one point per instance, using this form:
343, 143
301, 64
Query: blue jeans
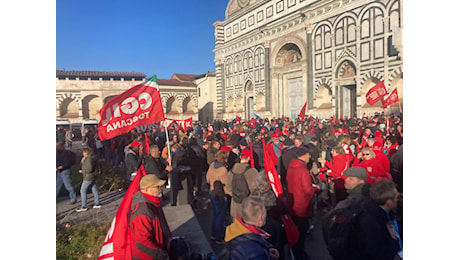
219, 210
84, 187
63, 177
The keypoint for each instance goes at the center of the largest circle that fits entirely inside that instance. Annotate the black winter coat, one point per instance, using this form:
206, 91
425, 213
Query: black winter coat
372, 240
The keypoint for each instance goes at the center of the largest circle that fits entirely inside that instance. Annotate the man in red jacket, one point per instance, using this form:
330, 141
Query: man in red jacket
301, 189
150, 231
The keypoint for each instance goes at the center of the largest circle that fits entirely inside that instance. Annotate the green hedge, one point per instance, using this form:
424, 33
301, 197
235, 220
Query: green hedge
80, 241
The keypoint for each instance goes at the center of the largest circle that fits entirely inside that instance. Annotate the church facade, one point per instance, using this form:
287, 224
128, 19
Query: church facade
273, 56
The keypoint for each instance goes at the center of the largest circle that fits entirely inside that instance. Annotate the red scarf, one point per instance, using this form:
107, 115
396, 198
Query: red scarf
153, 199
253, 229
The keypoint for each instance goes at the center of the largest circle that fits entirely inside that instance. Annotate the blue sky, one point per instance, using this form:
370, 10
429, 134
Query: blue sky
148, 36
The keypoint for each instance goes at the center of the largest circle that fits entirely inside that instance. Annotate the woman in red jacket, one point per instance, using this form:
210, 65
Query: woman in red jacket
375, 169
339, 162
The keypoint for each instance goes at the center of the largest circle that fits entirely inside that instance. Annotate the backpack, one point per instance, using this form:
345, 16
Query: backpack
338, 227
240, 189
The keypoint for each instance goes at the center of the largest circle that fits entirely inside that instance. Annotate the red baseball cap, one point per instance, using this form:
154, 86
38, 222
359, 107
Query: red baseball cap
245, 153
135, 143
225, 148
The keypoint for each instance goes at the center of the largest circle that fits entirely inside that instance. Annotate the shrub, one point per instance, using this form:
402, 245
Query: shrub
81, 241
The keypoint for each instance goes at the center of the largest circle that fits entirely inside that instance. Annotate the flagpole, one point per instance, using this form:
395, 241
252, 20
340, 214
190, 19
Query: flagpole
167, 143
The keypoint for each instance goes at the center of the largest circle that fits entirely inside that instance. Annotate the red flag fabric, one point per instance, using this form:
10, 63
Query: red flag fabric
302, 111
392, 98
117, 244
187, 123
139, 105
270, 170
238, 119
292, 233
376, 93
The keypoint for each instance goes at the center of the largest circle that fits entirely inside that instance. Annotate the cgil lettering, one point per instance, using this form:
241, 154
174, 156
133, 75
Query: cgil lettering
128, 106
126, 122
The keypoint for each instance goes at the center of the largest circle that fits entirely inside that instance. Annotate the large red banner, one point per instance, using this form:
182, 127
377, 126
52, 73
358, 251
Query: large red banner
292, 233
376, 93
392, 98
139, 105
117, 244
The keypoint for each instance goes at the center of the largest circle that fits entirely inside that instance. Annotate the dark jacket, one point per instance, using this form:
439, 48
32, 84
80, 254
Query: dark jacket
249, 246
372, 240
155, 166
64, 158
285, 159
258, 155
149, 229
244, 244
133, 162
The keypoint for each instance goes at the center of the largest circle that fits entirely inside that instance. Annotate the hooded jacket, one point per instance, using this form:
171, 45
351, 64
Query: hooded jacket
250, 175
150, 232
88, 167
300, 187
244, 244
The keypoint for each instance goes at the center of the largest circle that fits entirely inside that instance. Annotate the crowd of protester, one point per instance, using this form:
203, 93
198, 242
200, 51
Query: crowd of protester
311, 157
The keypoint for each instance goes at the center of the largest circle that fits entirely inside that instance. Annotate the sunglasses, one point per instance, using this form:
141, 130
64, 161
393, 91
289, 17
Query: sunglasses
366, 154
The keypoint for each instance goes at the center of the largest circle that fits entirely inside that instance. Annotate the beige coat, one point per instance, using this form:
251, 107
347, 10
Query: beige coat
251, 175
217, 174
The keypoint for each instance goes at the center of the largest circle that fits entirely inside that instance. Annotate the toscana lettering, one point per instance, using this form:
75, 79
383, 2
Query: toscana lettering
126, 122
128, 106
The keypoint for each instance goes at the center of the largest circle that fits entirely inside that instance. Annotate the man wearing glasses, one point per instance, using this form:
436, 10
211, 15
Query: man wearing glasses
150, 232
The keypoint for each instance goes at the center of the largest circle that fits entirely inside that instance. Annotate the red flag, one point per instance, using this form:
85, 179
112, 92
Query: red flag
302, 111
292, 233
187, 123
392, 98
238, 119
376, 93
270, 170
117, 244
139, 105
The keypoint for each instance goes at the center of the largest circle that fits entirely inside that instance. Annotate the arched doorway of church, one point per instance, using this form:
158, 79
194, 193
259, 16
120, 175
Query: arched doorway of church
346, 92
288, 66
249, 94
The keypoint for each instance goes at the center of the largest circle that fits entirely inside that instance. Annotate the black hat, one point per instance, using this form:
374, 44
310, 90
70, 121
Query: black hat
243, 142
302, 150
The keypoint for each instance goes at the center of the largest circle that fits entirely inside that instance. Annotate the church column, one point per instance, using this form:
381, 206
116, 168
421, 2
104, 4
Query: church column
267, 79
310, 86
